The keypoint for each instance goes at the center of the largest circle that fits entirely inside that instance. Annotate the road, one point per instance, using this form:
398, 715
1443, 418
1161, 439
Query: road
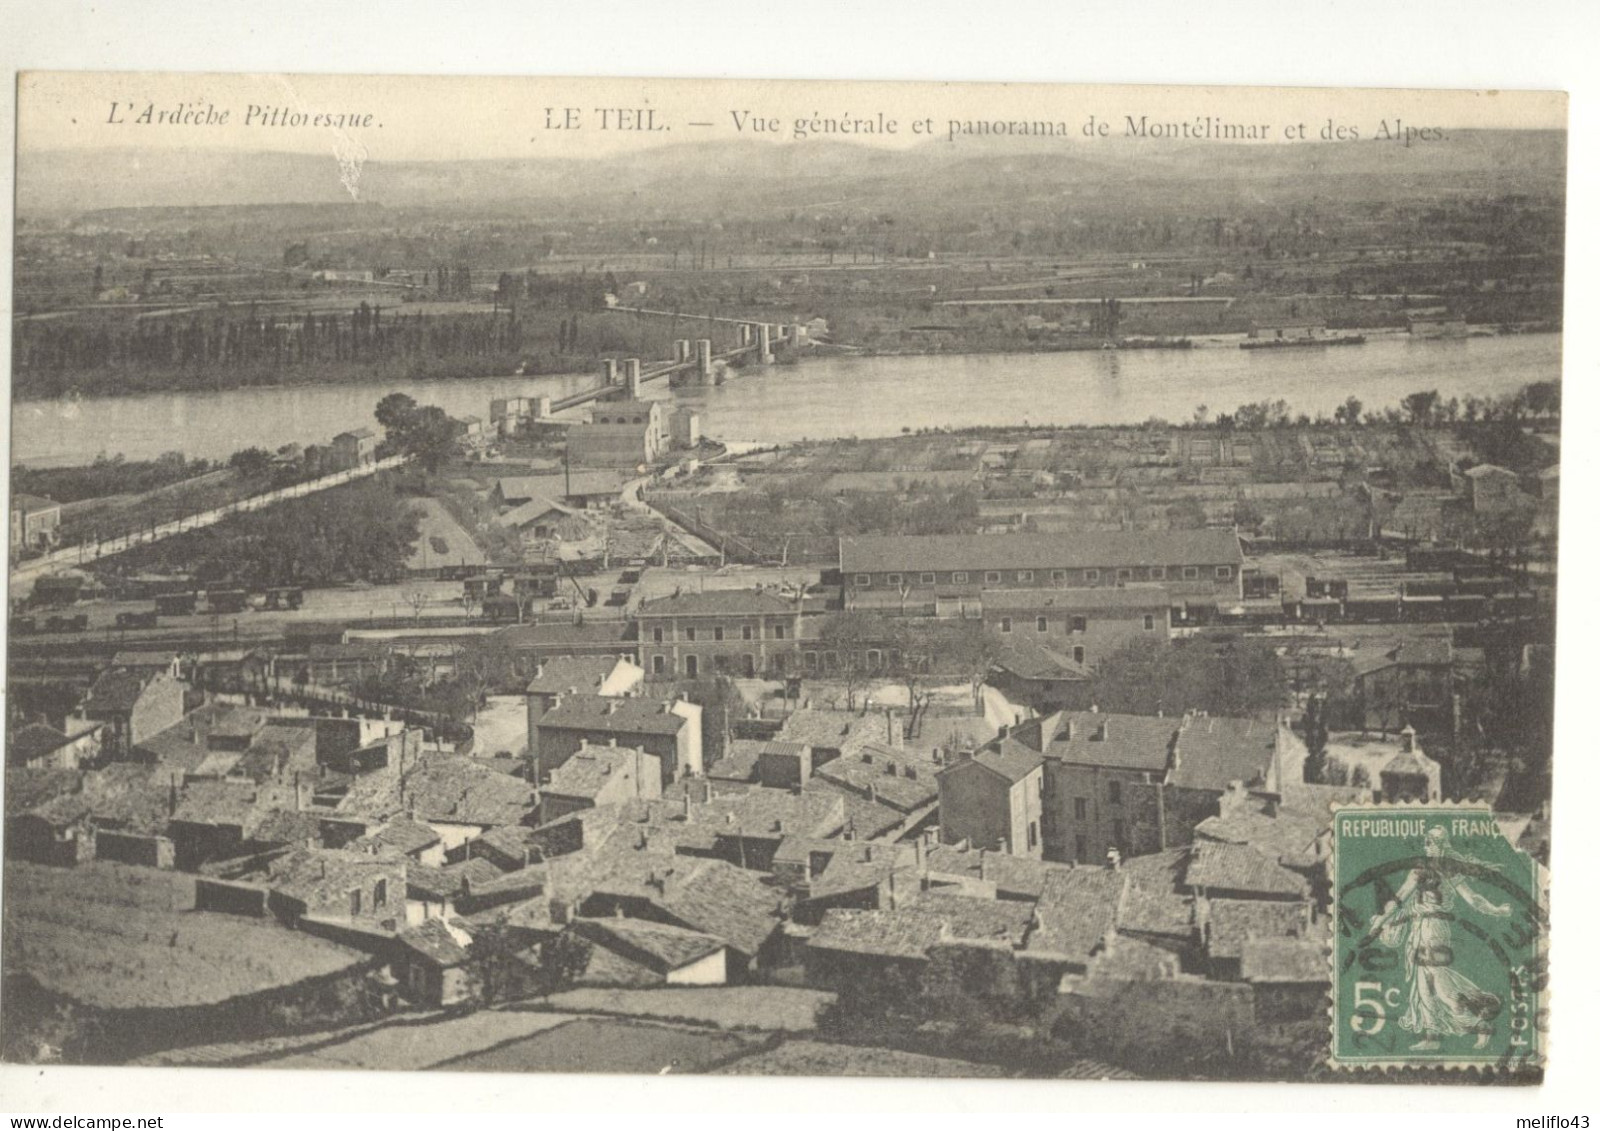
23, 577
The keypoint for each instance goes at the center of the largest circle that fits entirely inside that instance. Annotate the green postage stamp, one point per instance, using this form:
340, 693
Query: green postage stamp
1439, 934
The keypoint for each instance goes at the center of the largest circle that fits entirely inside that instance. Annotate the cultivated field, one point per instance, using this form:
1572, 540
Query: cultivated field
814, 1058
121, 937
595, 1045
726, 1007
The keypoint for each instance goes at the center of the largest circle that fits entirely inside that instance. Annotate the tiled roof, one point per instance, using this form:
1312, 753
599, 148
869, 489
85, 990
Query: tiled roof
403, 834
442, 883
583, 674
1213, 751
1293, 961
1410, 762
832, 730
590, 770
867, 773
593, 482
30, 504
443, 788
772, 813
1421, 651
664, 947
617, 716
1151, 902
986, 920
888, 934
591, 633
317, 875
1076, 910
27, 789
1086, 600
1027, 657
710, 896
1084, 549
1233, 922
718, 603
1013, 876
1215, 866
532, 511
34, 741
221, 803
1128, 742
119, 689
433, 940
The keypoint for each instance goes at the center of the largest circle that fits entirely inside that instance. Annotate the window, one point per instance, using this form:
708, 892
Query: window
1116, 833
1078, 654
716, 633
1114, 791
1158, 573
893, 579
749, 666
1005, 624
863, 579
1033, 834
1024, 575
656, 634
1091, 575
811, 661
992, 577
1224, 573
748, 633
874, 659
1080, 808
1059, 576
1149, 622
958, 578
1082, 846
688, 634
380, 894
691, 666
1080, 624
1124, 575
1042, 624
926, 578
1191, 572
778, 631
658, 664
355, 902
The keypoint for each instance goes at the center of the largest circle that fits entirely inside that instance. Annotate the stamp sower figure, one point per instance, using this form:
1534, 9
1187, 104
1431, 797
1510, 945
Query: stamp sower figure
1442, 1001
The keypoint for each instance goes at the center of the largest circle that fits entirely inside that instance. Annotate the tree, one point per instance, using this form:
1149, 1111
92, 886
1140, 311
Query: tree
1238, 677
1420, 406
251, 463
1348, 413
395, 412
849, 637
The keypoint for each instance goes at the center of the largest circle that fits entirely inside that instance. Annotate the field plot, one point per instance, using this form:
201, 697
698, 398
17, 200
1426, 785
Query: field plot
442, 541
592, 1045
408, 1046
814, 1058
122, 937
727, 1007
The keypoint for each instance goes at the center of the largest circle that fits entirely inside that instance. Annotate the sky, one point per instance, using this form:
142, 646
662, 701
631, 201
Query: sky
443, 118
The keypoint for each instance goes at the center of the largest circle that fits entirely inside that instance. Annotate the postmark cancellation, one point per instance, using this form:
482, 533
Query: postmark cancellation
1439, 941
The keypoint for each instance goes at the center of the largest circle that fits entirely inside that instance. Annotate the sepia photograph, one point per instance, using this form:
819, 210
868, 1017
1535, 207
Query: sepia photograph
769, 578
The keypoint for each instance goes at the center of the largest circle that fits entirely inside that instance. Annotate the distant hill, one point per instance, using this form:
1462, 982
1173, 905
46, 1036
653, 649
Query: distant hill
745, 176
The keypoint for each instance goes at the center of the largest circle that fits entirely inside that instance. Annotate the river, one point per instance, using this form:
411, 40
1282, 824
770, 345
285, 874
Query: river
830, 397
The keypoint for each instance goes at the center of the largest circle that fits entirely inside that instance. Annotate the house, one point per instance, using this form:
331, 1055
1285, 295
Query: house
413, 839
639, 952
458, 798
1491, 489
470, 433
133, 706
1187, 561
346, 663
1085, 625
993, 800
683, 427
608, 676
35, 522
624, 434
336, 885
1409, 681
1040, 675
41, 747
590, 487
532, 643
725, 631
711, 897
1410, 775
434, 964
669, 729
355, 449
541, 519
599, 775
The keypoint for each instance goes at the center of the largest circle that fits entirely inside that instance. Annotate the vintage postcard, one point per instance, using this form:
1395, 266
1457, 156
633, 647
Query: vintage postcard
778, 578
